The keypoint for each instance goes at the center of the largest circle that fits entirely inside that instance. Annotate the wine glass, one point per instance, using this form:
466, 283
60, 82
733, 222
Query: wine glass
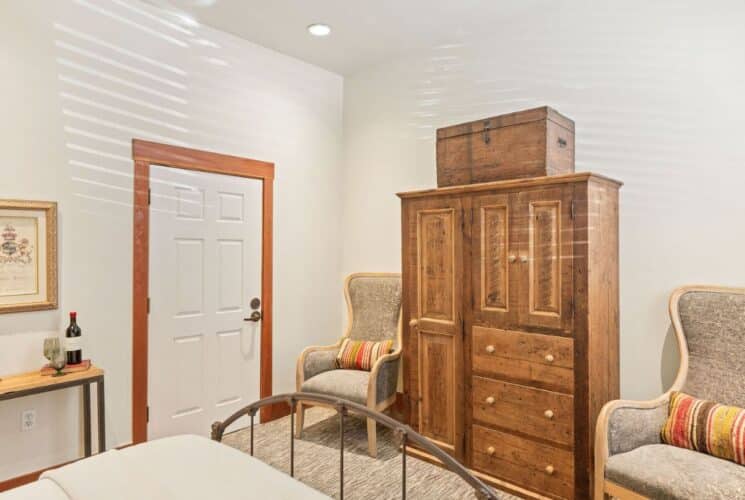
55, 354
51, 346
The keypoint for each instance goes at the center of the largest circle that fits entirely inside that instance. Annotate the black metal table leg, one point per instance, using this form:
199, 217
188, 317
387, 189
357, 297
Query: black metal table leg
253, 412
292, 438
101, 416
87, 419
342, 413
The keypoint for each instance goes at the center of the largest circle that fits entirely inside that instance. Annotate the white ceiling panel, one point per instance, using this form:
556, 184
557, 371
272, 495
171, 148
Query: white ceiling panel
364, 32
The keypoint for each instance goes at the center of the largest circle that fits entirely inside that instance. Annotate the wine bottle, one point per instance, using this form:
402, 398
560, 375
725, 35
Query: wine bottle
72, 341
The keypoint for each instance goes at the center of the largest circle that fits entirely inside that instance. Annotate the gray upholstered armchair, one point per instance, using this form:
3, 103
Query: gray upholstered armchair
374, 313
631, 462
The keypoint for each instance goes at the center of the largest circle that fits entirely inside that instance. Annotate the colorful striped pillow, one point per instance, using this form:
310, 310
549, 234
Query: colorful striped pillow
361, 354
706, 426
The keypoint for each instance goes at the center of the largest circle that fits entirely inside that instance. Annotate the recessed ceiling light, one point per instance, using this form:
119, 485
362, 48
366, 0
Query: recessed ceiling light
318, 29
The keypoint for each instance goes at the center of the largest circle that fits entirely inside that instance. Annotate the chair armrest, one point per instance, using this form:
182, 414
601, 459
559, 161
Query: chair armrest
383, 379
625, 425
314, 360
631, 424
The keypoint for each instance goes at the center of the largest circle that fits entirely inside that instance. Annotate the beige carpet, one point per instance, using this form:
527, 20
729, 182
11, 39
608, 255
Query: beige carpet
317, 460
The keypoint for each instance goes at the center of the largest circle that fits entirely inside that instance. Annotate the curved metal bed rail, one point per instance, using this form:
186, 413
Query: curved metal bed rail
406, 433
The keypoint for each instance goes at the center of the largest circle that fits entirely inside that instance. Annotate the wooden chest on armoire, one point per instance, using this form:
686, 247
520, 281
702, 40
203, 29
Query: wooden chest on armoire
511, 343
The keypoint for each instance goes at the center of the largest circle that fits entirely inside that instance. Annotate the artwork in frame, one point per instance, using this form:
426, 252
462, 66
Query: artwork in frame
28, 255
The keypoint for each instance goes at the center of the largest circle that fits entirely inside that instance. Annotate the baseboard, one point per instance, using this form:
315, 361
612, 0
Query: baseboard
30, 477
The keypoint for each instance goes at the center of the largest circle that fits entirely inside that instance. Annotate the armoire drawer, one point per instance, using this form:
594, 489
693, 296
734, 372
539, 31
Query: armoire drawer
545, 361
536, 466
535, 412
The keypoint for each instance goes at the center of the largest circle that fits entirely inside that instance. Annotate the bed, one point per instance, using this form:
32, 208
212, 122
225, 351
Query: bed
192, 467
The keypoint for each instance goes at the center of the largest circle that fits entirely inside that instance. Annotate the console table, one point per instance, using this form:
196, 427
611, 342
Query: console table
26, 384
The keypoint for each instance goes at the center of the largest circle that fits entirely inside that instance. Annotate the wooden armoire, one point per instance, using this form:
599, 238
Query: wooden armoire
511, 325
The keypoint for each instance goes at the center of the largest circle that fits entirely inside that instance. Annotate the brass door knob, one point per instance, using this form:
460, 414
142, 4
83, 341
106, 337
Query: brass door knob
490, 451
490, 400
549, 470
414, 323
512, 258
490, 349
548, 414
549, 358
255, 316
523, 258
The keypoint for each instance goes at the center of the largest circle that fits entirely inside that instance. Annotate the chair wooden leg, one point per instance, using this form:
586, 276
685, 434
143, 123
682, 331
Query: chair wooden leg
372, 444
613, 490
299, 417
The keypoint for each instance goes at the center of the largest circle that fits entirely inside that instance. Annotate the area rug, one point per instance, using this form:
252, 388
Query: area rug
317, 460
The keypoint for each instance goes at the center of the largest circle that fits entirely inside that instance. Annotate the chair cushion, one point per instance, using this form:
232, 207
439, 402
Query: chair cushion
361, 354
346, 384
666, 472
706, 426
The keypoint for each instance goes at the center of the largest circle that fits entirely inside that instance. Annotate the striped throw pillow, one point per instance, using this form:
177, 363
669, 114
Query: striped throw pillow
706, 426
361, 354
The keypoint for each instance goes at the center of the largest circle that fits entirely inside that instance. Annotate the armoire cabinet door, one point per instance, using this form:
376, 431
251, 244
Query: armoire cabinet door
435, 330
494, 249
439, 355
546, 285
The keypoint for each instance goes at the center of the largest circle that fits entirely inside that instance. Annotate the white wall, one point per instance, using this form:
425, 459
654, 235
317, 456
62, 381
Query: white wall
79, 80
656, 90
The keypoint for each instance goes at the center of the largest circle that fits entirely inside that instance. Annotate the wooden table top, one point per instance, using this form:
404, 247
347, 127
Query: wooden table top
35, 380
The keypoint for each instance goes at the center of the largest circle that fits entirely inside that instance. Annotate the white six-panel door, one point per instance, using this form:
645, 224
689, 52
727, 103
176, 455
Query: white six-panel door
205, 268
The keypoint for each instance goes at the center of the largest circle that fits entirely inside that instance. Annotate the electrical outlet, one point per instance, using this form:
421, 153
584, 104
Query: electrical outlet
28, 420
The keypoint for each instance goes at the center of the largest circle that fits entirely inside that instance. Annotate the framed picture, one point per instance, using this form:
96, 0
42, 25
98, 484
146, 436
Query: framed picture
28, 255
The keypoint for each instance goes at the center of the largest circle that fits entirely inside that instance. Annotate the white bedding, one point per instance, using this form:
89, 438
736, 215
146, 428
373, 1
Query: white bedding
180, 467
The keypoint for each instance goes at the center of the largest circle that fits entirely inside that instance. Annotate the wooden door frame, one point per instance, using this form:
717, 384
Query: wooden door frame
144, 154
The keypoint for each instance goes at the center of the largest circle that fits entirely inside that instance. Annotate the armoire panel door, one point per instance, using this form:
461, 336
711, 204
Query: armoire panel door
438, 234
494, 249
546, 258
439, 359
436, 320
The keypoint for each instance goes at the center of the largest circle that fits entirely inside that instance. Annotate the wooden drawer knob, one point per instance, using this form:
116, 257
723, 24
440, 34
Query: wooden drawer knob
490, 400
523, 258
414, 323
512, 258
549, 358
490, 349
549, 470
490, 451
548, 414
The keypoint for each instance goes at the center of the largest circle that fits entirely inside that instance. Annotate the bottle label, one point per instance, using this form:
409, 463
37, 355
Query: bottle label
73, 343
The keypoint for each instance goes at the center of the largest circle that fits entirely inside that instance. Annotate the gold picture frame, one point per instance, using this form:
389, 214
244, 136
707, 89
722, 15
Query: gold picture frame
28, 256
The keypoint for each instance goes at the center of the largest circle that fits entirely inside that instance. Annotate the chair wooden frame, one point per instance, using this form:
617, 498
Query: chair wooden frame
372, 385
602, 486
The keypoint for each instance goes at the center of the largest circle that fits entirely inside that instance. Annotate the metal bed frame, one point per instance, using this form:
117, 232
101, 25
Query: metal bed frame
344, 407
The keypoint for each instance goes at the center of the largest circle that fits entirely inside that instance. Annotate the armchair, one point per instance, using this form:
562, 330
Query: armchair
631, 462
374, 313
